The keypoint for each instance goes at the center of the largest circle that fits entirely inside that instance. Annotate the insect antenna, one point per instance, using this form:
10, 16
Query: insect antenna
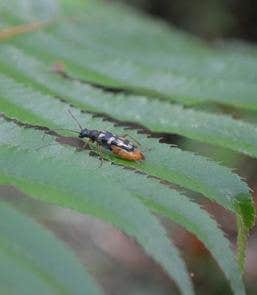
65, 129
75, 119
57, 129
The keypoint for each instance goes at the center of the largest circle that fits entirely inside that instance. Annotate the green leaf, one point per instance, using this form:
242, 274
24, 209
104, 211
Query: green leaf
97, 67
168, 49
178, 208
77, 169
209, 128
59, 176
33, 261
204, 75
31, 10
184, 168
115, 47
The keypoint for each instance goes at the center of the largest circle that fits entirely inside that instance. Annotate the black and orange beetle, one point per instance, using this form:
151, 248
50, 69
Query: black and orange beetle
118, 145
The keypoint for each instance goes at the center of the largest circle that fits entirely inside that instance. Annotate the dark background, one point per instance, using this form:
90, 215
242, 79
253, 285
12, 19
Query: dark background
210, 19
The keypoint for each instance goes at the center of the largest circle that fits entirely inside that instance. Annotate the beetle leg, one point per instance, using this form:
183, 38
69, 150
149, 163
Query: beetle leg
100, 154
87, 144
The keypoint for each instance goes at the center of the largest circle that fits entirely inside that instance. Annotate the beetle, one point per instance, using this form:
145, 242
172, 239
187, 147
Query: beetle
118, 145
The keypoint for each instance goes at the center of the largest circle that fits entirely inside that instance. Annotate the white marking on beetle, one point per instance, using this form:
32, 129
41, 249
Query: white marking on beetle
101, 135
120, 142
110, 140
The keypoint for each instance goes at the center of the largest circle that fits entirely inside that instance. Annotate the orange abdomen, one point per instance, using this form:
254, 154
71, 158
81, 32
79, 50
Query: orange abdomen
136, 155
